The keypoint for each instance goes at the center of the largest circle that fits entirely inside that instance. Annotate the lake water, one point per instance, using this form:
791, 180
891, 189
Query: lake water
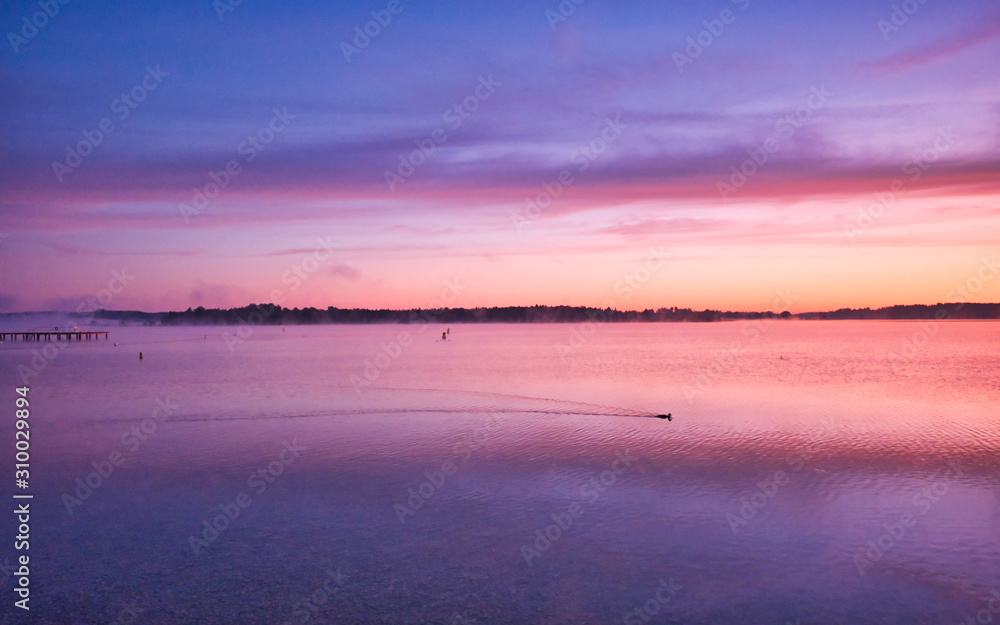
814, 472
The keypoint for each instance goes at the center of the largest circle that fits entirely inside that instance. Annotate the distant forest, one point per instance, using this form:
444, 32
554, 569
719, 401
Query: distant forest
270, 314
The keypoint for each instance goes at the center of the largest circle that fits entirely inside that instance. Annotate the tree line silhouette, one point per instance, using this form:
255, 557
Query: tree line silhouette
271, 314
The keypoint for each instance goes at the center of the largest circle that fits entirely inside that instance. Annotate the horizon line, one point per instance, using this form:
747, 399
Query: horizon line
672, 309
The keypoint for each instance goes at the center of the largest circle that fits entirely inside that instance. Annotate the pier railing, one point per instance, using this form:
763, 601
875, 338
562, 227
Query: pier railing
59, 335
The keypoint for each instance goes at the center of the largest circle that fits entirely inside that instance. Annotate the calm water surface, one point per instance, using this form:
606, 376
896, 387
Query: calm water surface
814, 472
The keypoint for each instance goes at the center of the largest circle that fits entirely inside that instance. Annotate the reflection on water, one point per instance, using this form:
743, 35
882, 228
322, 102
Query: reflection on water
812, 473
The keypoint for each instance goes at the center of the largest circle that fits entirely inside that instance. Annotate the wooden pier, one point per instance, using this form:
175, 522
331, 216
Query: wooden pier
38, 335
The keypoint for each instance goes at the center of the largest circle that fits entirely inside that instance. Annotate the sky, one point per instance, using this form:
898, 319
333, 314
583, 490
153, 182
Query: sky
377, 154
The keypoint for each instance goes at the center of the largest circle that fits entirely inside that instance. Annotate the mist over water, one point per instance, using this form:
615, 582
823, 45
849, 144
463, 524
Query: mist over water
820, 472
